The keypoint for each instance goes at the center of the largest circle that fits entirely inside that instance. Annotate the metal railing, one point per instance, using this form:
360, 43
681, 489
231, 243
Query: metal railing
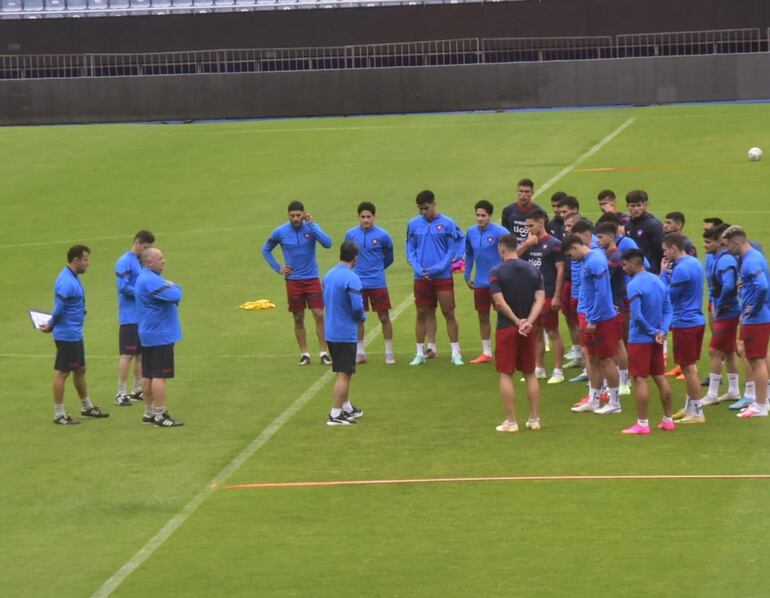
393, 55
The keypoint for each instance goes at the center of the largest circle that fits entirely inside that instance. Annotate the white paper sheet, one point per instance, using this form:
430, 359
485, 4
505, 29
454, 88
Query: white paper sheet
39, 318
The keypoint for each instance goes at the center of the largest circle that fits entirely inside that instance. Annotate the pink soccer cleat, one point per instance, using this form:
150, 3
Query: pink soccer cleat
667, 426
637, 429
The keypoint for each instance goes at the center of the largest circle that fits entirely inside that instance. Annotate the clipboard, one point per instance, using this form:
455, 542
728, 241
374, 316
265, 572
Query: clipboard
39, 318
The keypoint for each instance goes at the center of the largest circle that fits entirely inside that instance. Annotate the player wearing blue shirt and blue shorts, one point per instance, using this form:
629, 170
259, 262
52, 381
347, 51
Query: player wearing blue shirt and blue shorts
431, 245
755, 314
127, 269
722, 275
683, 275
482, 252
375, 256
650, 317
298, 238
157, 306
344, 313
66, 325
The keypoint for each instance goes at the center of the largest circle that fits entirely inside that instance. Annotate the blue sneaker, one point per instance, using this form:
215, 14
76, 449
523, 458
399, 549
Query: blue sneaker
581, 377
742, 403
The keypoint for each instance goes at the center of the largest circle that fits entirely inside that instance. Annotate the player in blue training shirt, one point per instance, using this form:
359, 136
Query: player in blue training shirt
568, 209
127, 269
650, 318
66, 325
298, 238
375, 247
606, 233
601, 332
481, 251
724, 315
514, 216
755, 315
344, 314
157, 306
683, 275
544, 252
431, 245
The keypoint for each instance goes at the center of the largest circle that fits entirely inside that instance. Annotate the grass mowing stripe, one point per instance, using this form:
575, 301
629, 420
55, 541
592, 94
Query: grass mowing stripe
178, 520
526, 478
567, 169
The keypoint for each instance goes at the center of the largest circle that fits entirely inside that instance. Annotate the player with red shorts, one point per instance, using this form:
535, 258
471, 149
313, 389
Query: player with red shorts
298, 238
518, 294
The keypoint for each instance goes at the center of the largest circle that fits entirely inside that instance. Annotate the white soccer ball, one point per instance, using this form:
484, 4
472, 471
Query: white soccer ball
755, 154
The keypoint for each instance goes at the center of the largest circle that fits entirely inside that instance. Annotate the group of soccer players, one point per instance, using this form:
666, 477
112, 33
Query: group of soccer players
623, 284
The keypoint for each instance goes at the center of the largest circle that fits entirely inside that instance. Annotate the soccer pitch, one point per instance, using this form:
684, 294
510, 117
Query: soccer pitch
86, 506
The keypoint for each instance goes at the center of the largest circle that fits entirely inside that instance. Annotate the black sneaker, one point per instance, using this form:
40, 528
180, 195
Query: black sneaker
123, 400
166, 421
341, 420
94, 412
304, 360
148, 419
136, 396
355, 414
65, 420
325, 359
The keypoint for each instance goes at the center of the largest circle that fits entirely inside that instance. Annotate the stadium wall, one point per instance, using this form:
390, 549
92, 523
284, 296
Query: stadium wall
302, 28
376, 91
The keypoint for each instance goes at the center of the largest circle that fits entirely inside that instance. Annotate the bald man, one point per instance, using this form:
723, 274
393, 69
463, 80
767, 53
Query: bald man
157, 301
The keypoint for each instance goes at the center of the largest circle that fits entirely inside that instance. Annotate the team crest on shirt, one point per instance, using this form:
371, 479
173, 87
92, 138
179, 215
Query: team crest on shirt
307, 235
490, 239
638, 233
375, 241
439, 227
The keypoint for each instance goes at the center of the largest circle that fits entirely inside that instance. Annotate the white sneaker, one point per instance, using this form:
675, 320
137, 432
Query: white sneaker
728, 397
540, 373
533, 424
608, 409
709, 400
556, 378
585, 407
389, 359
754, 410
507, 426
624, 390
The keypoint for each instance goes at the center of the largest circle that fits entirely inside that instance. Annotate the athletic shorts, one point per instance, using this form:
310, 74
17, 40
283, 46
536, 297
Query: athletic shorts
70, 356
128, 339
603, 342
425, 291
645, 359
514, 351
548, 318
482, 300
687, 344
755, 338
378, 298
343, 357
724, 334
621, 319
301, 293
158, 361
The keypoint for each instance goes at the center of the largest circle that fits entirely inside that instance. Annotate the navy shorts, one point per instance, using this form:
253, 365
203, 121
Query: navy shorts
70, 356
343, 357
158, 362
128, 343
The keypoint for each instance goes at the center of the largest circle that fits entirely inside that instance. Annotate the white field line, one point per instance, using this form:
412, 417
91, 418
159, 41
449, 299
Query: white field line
179, 519
567, 169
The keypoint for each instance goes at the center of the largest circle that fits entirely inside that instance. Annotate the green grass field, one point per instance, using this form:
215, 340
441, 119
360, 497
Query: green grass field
79, 503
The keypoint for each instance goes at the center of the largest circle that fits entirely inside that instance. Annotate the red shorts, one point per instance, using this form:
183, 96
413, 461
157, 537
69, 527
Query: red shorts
755, 337
378, 298
548, 318
645, 359
687, 344
571, 311
603, 342
482, 299
304, 292
513, 351
425, 290
724, 334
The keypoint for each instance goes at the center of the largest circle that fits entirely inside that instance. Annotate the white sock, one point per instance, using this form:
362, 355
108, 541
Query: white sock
335, 412
557, 372
696, 408
623, 377
614, 399
421, 349
455, 348
432, 347
159, 411
594, 394
347, 406
576, 350
322, 353
643, 422
360, 348
668, 419
122, 387
86, 403
137, 386
714, 381
58, 410
486, 347
389, 346
306, 354
539, 371
750, 390
149, 411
